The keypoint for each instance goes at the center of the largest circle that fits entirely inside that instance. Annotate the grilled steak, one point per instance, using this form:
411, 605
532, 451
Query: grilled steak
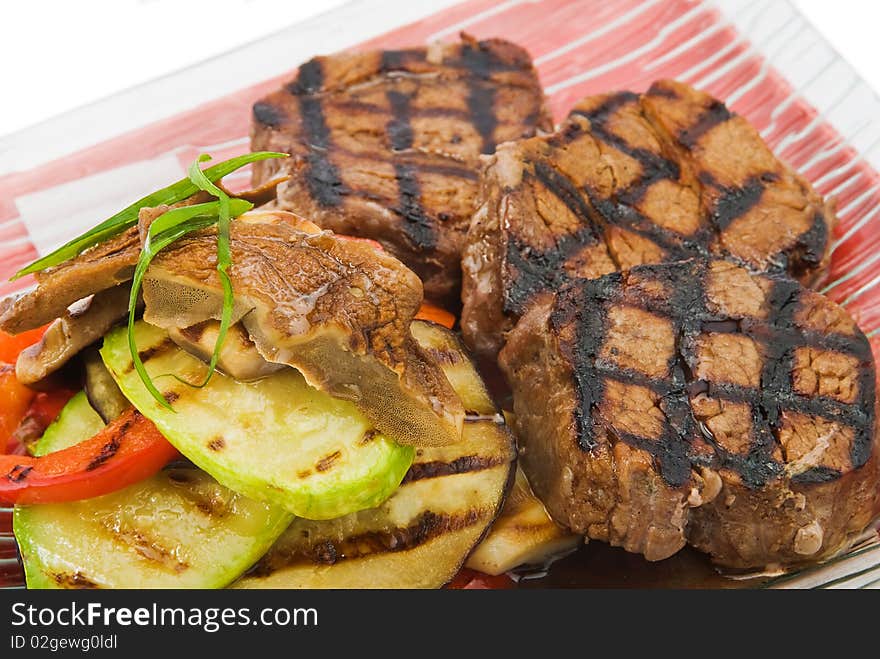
695, 402
626, 180
386, 144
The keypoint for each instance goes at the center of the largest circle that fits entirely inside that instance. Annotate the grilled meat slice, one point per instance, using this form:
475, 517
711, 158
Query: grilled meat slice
385, 144
695, 402
339, 311
627, 180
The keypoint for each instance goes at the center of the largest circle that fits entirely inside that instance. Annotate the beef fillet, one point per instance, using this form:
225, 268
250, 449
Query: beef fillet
696, 403
386, 144
627, 180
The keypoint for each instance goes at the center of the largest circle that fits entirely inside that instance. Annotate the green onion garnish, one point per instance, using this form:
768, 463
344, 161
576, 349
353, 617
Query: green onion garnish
128, 217
224, 256
166, 229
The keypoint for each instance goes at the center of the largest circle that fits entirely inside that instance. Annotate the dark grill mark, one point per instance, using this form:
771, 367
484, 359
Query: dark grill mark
566, 191
217, 444
148, 548
586, 306
269, 115
327, 461
109, 449
438, 468
736, 202
309, 79
397, 60
18, 473
481, 105
152, 352
171, 397
369, 436
73, 581
418, 227
322, 177
425, 528
482, 61
194, 332
818, 474
654, 166
399, 131
716, 114
809, 251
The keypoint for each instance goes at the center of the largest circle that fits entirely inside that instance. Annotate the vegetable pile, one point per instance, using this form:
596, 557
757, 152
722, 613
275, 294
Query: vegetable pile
166, 471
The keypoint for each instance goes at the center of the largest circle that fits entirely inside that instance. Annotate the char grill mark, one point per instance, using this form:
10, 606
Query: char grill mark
481, 96
717, 113
323, 178
418, 227
654, 166
586, 304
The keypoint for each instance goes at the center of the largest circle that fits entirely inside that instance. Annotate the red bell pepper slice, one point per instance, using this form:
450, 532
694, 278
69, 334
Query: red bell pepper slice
43, 410
472, 580
11, 345
126, 451
15, 399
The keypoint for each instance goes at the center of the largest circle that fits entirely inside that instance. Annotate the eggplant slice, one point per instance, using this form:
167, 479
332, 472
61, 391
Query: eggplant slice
421, 536
523, 534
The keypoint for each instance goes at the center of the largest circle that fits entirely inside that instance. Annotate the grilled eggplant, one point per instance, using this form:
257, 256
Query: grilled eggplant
100, 387
523, 534
420, 537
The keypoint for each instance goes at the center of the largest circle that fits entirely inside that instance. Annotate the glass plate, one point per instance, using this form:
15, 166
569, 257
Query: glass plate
761, 56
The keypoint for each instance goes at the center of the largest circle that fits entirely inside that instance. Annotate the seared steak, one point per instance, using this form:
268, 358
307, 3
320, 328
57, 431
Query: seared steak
626, 180
695, 402
385, 144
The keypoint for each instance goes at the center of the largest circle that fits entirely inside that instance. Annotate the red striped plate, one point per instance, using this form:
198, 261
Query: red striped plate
760, 56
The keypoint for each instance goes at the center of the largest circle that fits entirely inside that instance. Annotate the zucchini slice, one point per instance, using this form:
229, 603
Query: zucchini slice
76, 422
420, 536
276, 440
177, 529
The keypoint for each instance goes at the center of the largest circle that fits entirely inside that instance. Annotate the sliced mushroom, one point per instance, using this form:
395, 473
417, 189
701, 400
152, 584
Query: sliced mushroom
82, 324
338, 311
238, 355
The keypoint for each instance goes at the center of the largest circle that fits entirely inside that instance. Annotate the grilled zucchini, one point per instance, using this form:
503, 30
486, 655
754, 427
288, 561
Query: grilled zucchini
177, 529
422, 534
276, 440
76, 422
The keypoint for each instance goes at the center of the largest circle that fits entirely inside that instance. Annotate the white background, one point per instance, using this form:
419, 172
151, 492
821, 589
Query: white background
56, 55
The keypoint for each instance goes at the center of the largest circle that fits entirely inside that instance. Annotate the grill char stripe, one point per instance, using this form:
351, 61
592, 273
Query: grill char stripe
423, 529
418, 226
322, 176
736, 202
715, 115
